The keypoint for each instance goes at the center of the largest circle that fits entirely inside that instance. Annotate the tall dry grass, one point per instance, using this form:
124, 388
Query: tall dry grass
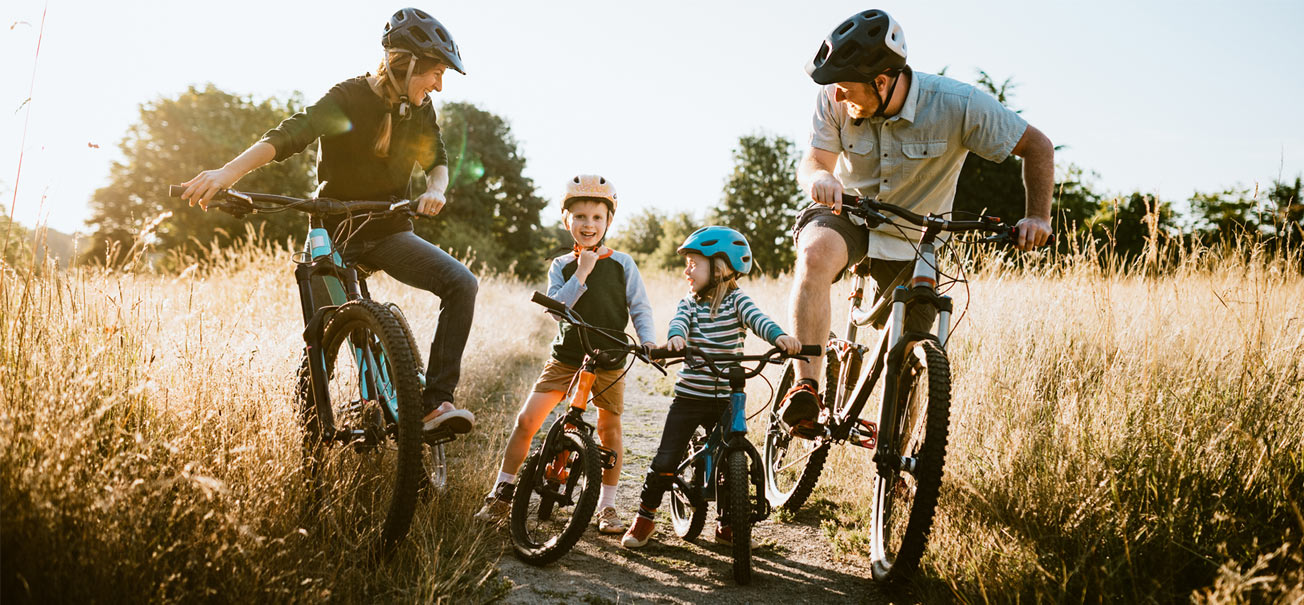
1131, 434
149, 450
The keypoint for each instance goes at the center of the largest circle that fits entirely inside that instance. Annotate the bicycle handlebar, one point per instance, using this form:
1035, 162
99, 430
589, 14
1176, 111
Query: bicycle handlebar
240, 203
709, 360
569, 315
872, 211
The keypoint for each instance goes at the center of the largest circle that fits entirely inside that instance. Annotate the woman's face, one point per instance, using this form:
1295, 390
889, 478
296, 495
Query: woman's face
426, 81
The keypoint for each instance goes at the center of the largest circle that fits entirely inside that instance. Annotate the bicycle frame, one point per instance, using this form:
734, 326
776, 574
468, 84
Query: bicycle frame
728, 435
341, 284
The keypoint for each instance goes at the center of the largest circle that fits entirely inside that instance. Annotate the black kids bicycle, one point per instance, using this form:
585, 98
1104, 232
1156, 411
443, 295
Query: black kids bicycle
559, 483
359, 385
724, 466
909, 433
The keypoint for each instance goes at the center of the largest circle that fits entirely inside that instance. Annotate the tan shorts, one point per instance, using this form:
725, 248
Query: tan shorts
557, 376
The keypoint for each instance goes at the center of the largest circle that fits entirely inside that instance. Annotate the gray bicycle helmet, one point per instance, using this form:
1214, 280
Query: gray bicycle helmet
862, 47
415, 31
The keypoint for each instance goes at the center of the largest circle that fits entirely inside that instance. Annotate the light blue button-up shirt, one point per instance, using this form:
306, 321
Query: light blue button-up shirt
913, 159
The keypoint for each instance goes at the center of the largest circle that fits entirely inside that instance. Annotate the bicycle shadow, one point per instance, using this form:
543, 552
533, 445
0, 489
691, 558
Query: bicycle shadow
795, 569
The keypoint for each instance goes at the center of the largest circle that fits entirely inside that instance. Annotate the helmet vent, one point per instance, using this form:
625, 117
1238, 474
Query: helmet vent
873, 33
711, 242
577, 179
739, 243
747, 259
443, 37
602, 180
420, 36
420, 14
846, 27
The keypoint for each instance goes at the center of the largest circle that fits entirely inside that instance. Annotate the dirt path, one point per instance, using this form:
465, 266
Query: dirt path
794, 563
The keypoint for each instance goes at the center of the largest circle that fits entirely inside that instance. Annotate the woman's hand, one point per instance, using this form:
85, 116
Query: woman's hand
430, 203
207, 184
789, 344
675, 344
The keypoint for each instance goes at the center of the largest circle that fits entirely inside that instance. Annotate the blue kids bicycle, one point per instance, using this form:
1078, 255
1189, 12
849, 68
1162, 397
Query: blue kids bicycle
359, 385
724, 466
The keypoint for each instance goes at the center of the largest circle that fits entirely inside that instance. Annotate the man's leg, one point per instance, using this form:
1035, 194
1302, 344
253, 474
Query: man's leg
821, 255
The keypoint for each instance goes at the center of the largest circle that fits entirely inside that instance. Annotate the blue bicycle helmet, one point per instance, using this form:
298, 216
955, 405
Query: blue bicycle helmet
723, 242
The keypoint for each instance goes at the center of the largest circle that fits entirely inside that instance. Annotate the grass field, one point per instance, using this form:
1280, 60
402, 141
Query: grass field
1116, 436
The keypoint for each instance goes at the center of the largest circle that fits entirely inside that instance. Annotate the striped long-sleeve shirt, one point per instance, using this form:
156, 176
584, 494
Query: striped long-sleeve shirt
722, 333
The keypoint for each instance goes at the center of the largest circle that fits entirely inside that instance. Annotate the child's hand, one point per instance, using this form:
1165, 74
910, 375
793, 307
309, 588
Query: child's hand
789, 344
676, 343
588, 259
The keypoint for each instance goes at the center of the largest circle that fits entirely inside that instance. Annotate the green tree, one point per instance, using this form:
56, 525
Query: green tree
1226, 215
677, 229
1075, 200
640, 236
16, 240
493, 210
1132, 221
761, 199
1288, 222
175, 139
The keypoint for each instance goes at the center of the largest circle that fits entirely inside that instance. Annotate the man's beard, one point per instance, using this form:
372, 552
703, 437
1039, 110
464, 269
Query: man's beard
861, 112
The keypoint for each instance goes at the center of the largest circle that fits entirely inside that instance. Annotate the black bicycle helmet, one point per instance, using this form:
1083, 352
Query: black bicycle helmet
417, 32
862, 47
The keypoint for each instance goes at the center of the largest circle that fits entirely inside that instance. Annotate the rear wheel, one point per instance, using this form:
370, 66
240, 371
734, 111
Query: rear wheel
739, 501
363, 450
556, 495
905, 499
688, 519
793, 465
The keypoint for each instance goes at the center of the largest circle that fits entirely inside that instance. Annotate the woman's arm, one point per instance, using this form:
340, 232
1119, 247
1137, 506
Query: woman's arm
205, 185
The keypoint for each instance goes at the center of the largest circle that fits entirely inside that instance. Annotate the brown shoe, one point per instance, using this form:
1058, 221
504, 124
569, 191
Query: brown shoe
639, 533
801, 409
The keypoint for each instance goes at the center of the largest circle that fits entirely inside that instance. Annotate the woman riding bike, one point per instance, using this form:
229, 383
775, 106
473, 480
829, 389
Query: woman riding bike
373, 128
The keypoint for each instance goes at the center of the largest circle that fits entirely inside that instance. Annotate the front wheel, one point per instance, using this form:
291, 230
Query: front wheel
556, 495
739, 502
363, 447
792, 465
905, 499
688, 519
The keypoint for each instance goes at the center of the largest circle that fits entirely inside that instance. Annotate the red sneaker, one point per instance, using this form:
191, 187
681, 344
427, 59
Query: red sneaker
639, 533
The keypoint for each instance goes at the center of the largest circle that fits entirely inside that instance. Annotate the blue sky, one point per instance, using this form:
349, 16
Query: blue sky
1162, 97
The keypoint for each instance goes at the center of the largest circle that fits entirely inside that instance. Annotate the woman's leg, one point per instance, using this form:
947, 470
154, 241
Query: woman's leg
420, 264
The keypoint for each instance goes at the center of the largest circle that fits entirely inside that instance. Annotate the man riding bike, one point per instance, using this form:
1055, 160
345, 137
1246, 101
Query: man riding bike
883, 131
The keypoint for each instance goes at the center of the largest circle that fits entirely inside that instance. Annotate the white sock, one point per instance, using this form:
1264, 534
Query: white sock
505, 478
607, 496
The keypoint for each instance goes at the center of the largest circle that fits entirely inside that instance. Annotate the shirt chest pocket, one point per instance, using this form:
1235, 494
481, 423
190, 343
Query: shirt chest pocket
918, 154
858, 141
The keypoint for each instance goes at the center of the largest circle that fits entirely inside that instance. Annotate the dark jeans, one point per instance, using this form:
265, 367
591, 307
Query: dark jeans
421, 264
684, 416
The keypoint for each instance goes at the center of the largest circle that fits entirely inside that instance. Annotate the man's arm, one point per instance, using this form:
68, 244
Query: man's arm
1039, 180
815, 173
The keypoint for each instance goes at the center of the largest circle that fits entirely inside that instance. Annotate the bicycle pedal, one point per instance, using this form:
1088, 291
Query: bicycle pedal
439, 437
607, 457
865, 434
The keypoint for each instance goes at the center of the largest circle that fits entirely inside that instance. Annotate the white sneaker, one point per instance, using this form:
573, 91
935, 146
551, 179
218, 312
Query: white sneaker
497, 505
448, 417
609, 521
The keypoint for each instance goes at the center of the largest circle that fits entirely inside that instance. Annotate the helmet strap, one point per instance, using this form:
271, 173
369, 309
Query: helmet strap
401, 91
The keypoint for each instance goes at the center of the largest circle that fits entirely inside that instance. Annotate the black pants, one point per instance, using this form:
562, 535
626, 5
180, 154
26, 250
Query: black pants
421, 264
684, 416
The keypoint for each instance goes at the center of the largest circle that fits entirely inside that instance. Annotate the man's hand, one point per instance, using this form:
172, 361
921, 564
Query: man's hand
675, 344
827, 189
789, 344
207, 184
430, 203
1031, 232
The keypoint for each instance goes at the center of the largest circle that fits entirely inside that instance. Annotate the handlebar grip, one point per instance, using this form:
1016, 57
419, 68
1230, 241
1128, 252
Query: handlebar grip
811, 350
551, 304
850, 198
176, 190
663, 353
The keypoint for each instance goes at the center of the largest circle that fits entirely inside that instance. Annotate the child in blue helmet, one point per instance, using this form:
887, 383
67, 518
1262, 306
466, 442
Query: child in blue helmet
712, 317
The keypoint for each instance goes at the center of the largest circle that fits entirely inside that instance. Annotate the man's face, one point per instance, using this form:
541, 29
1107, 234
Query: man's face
861, 99
587, 221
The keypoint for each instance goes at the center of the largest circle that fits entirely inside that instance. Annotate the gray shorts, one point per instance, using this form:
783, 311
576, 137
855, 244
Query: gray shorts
855, 236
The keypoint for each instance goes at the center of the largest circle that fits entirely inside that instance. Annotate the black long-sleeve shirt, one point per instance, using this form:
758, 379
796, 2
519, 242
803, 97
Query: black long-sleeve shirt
347, 120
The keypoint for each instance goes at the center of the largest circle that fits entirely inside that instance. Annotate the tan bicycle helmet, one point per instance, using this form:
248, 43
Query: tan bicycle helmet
590, 187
